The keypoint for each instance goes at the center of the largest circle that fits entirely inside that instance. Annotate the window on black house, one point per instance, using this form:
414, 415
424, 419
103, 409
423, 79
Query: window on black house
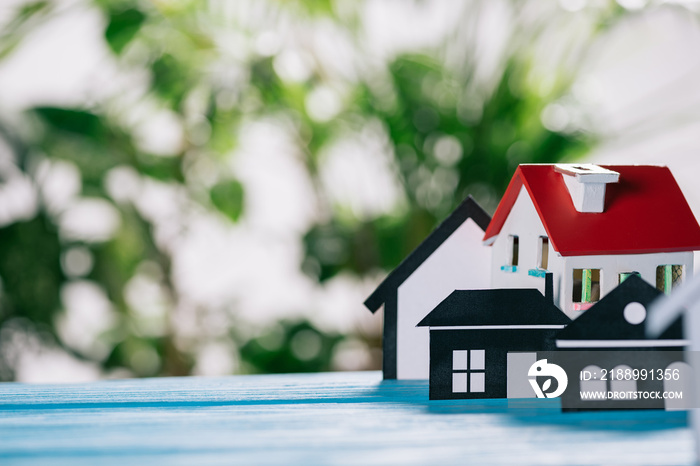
586, 289
668, 277
468, 368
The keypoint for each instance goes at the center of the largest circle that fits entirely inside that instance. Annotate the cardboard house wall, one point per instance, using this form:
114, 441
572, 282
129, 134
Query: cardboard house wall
451, 257
461, 262
524, 222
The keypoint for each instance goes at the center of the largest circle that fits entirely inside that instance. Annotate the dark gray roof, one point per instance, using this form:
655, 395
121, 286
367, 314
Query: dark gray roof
495, 307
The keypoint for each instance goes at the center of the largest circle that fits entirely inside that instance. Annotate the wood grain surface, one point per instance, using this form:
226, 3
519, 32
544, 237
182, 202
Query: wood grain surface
331, 418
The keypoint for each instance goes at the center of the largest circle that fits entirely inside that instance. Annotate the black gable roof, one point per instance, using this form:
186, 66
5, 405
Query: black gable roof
606, 321
469, 208
495, 307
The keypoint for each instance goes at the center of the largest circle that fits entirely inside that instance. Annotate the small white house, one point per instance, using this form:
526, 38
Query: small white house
451, 257
591, 226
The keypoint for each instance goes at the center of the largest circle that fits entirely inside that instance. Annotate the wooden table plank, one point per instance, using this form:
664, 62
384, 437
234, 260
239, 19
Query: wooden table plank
336, 418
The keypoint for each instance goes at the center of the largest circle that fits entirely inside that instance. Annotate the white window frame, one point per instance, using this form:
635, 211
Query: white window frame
469, 371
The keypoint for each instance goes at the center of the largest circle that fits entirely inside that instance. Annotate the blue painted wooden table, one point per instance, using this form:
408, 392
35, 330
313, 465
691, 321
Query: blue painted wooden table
336, 418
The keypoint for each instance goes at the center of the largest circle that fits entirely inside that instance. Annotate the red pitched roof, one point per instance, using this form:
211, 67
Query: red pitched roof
645, 212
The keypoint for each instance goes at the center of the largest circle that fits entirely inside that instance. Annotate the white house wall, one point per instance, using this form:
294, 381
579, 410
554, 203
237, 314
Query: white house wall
525, 223
460, 262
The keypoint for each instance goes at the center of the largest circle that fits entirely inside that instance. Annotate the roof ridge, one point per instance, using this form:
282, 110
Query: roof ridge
642, 190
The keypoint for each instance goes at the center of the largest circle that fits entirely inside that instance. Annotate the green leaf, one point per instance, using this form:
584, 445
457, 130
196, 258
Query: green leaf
122, 28
170, 79
227, 196
73, 121
14, 31
30, 270
160, 168
30, 9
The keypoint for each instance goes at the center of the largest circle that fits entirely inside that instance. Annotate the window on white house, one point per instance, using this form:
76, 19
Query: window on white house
514, 250
468, 371
543, 252
586, 287
668, 277
625, 275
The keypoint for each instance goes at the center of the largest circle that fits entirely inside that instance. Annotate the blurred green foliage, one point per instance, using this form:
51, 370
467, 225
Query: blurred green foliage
290, 347
449, 137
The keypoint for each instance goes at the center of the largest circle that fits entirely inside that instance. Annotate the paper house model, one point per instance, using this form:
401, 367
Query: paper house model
611, 336
591, 226
483, 342
662, 316
451, 257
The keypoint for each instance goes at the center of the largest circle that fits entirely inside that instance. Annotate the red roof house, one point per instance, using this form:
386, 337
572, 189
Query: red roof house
591, 226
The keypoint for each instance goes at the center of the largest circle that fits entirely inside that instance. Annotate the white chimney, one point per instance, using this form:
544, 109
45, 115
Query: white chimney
586, 185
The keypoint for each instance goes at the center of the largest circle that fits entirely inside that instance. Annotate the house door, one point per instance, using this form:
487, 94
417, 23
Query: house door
518, 385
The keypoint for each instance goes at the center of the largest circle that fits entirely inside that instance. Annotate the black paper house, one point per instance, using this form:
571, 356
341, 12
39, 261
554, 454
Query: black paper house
610, 338
483, 342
